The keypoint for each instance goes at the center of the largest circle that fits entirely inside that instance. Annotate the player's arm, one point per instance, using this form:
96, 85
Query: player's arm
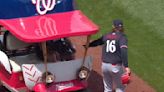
124, 52
96, 42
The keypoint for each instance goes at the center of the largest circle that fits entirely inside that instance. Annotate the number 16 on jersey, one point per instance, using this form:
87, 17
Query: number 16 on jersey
111, 46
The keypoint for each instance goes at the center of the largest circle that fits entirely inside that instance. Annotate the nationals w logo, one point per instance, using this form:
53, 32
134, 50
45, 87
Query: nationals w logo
46, 26
43, 6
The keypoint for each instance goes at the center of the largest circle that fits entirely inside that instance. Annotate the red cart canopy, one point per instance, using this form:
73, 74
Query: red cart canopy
50, 26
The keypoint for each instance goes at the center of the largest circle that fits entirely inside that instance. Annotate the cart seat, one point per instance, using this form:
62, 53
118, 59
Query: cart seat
1, 38
16, 62
12, 43
1, 42
15, 66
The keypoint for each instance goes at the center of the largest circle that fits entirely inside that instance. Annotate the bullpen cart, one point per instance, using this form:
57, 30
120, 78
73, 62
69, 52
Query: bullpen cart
26, 25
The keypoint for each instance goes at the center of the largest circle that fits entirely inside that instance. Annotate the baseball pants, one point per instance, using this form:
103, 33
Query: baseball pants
112, 75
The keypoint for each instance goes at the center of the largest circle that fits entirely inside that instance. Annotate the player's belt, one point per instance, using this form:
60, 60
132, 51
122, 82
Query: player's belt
114, 64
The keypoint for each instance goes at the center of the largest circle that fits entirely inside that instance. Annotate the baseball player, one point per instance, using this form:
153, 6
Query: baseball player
114, 57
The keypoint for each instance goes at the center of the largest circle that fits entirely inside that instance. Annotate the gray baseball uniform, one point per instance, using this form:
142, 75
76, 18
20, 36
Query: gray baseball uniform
114, 56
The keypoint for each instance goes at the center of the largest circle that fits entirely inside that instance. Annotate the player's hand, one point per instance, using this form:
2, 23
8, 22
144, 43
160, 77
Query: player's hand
127, 69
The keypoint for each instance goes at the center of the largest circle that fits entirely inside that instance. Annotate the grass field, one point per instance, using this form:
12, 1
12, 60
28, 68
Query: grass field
144, 25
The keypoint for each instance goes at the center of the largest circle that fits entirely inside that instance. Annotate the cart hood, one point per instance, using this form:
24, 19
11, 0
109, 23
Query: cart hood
29, 24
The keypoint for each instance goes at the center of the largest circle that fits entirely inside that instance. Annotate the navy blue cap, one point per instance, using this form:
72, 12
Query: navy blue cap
117, 23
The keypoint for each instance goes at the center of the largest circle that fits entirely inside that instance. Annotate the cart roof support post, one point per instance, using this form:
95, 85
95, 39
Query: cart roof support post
44, 49
86, 48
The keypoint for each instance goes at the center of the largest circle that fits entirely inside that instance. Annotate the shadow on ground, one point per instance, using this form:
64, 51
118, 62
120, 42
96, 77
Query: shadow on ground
95, 82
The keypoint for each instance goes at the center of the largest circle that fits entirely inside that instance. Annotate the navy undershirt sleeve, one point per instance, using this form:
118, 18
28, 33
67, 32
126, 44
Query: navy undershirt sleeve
124, 50
96, 42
